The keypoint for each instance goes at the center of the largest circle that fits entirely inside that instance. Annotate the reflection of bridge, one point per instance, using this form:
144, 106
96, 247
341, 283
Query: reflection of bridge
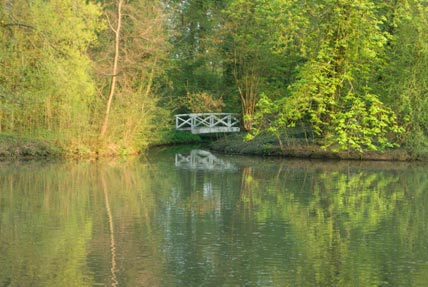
207, 123
202, 160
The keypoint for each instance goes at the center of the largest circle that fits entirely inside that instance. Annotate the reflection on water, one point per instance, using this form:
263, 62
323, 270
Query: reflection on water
202, 159
180, 220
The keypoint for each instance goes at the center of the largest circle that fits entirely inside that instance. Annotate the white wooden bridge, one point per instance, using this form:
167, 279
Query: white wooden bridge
207, 123
202, 160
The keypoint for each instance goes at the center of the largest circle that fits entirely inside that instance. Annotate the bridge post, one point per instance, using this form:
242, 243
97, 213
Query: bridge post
193, 120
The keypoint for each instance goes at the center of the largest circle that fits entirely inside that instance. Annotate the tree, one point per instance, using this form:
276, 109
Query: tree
46, 82
195, 65
64, 72
405, 81
246, 54
331, 94
253, 58
129, 57
116, 30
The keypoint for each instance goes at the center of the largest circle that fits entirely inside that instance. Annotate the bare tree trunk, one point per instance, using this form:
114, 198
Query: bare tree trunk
115, 66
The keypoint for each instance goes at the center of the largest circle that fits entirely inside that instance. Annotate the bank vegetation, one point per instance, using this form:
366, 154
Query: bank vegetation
104, 77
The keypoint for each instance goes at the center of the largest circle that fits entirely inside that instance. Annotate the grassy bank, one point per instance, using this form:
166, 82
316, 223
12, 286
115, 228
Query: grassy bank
14, 146
25, 148
18, 147
266, 145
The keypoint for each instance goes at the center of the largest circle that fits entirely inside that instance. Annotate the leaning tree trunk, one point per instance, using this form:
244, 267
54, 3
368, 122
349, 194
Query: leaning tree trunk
116, 31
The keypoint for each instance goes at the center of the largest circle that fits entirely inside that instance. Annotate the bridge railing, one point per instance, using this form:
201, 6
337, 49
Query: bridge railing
207, 123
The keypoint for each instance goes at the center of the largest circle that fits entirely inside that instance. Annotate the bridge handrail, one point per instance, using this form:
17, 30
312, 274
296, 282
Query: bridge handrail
194, 120
204, 114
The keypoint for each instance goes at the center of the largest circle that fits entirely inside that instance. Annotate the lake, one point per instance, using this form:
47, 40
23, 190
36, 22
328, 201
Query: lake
188, 217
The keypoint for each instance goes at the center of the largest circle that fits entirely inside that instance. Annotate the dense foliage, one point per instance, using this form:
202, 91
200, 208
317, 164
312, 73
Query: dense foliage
348, 73
81, 72
104, 75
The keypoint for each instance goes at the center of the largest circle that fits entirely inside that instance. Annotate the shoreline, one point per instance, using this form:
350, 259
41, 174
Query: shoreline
235, 144
15, 148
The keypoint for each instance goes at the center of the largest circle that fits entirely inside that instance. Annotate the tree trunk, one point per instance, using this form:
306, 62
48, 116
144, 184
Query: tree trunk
115, 67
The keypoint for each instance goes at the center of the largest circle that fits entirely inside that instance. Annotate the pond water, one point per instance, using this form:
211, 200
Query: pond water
192, 218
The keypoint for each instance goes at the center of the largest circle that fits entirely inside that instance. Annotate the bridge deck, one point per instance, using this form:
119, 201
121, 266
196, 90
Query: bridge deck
207, 123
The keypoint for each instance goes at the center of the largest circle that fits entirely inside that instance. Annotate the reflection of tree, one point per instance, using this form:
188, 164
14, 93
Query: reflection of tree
271, 224
332, 215
247, 185
282, 225
114, 281
44, 229
131, 198
53, 225
341, 206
